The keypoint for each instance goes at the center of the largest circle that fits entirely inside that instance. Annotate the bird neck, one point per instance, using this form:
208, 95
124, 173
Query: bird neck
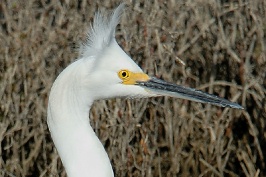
79, 148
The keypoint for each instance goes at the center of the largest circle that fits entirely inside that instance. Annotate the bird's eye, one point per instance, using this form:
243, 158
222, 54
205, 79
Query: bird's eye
123, 74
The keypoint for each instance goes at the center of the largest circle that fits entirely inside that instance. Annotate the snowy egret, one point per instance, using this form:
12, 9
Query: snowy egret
103, 71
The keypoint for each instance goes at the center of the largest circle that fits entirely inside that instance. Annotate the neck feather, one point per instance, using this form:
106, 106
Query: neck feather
80, 150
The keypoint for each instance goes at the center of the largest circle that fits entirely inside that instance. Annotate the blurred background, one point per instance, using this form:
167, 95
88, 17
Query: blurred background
215, 46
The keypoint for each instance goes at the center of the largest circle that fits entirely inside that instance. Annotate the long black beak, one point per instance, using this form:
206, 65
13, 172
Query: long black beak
163, 88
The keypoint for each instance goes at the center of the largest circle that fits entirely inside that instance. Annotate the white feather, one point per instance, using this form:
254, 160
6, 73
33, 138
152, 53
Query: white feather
92, 77
102, 32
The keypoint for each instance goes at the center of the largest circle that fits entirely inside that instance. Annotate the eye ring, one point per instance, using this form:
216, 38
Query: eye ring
123, 74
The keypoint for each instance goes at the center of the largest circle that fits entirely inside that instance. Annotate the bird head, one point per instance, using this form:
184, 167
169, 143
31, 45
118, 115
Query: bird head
113, 73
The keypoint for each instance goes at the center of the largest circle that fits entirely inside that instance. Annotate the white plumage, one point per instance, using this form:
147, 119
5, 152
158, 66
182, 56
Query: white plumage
103, 71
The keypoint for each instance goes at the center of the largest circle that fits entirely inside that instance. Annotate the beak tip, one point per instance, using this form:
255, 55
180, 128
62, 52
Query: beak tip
237, 106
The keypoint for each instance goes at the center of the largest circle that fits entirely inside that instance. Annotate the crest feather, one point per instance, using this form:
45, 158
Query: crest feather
102, 32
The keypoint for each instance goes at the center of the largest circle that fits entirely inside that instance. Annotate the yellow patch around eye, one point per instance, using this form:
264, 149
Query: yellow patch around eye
131, 78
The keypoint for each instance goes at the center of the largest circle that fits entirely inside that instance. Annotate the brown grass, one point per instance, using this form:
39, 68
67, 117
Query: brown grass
222, 46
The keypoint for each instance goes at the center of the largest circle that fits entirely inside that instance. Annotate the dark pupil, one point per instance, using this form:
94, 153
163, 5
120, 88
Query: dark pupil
124, 74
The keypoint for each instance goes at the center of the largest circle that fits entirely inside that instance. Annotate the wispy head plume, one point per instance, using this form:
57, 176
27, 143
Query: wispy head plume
101, 33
